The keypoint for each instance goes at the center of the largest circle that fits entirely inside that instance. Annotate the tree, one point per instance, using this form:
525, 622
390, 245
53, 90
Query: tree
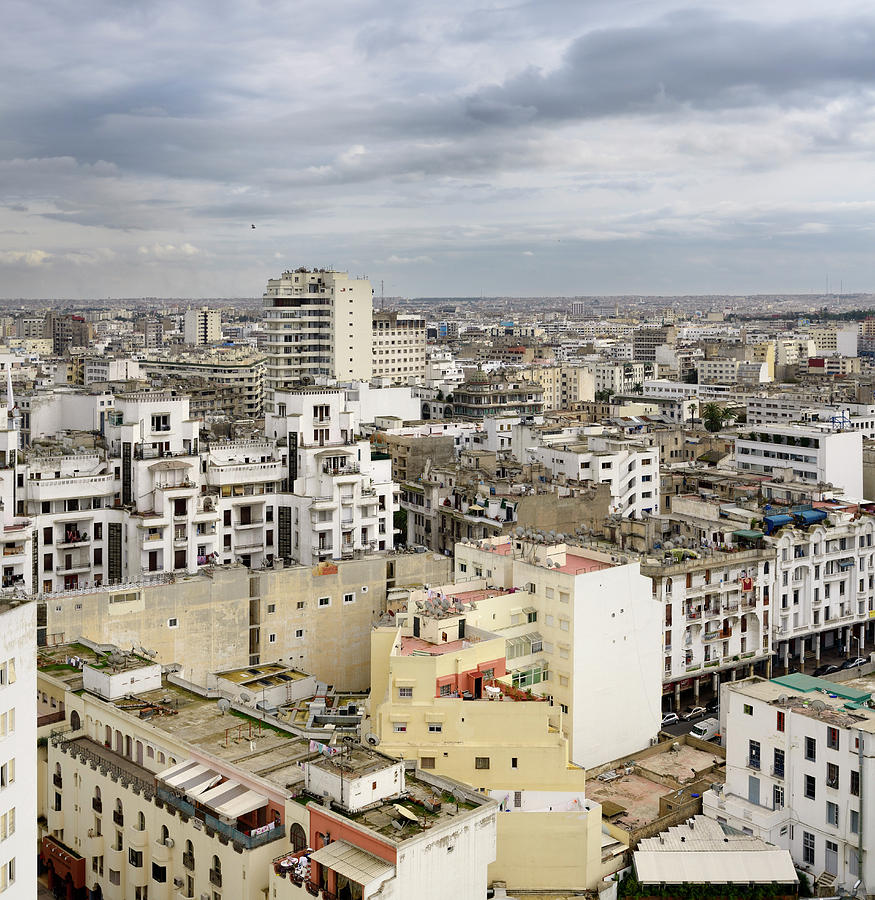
399, 523
637, 388
714, 415
603, 396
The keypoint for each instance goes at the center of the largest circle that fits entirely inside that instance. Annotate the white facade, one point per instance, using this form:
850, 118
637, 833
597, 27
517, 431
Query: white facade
107, 369
203, 326
809, 453
317, 322
631, 469
399, 347
798, 774
18, 767
600, 631
341, 502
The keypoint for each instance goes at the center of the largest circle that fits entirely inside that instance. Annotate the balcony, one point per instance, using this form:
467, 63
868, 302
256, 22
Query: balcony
188, 861
215, 878
777, 771
76, 568
57, 780
340, 471
252, 523
753, 762
97, 804
244, 838
118, 817
118, 767
70, 539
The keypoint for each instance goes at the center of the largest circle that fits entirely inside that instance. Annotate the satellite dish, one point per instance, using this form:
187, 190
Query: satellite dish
817, 704
224, 704
244, 697
783, 698
372, 739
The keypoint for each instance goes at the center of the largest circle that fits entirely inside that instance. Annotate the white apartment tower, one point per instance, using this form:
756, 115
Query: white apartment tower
18, 727
203, 326
399, 347
317, 322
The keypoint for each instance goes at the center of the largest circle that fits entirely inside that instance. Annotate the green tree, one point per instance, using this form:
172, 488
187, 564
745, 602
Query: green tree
399, 523
603, 396
714, 415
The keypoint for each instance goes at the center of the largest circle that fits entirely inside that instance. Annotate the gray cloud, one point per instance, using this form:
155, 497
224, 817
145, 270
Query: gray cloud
436, 145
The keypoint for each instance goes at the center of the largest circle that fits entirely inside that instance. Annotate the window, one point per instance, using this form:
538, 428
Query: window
399, 727
832, 738
748, 709
271, 638
405, 692
426, 762
808, 848
302, 604
855, 821
855, 783
349, 598
114, 877
832, 814
753, 754
325, 601
481, 762
810, 749
445, 690
173, 623
810, 787
271, 608
832, 775
781, 720
435, 727
778, 770
135, 857
299, 632
159, 873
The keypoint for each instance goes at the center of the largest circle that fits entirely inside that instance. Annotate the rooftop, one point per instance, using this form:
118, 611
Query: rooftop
267, 675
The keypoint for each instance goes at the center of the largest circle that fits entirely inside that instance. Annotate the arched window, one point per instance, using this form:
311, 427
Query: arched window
298, 837
165, 833
217, 865
141, 821
57, 768
765, 568
188, 855
75, 721
668, 585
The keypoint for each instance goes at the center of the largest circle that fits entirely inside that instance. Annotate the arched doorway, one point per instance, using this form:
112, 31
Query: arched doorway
75, 721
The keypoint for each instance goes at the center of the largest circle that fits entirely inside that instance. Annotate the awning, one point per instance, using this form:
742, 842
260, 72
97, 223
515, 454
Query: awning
747, 534
529, 609
191, 777
533, 637
846, 563
167, 465
232, 800
709, 867
352, 862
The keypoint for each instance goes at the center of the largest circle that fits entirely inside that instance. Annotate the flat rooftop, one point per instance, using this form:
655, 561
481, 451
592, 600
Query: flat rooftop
262, 675
235, 738
411, 646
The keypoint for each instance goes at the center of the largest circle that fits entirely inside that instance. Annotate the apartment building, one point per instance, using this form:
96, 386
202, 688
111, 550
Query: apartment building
104, 369
645, 341
797, 774
631, 469
203, 326
716, 618
833, 340
18, 735
831, 366
340, 501
732, 371
498, 394
563, 385
824, 594
814, 453
594, 614
238, 369
316, 322
399, 347
621, 378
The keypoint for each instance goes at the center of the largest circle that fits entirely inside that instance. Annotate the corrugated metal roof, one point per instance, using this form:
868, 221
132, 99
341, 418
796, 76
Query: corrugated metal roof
715, 866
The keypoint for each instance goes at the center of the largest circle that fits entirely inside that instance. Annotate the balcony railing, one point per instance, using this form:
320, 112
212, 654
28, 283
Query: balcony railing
215, 878
97, 804
272, 832
118, 817
188, 861
753, 762
777, 771
349, 469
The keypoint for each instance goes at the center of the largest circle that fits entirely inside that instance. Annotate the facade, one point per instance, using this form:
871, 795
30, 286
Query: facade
645, 342
563, 385
812, 453
240, 371
203, 326
340, 500
716, 621
497, 395
592, 615
399, 347
317, 322
18, 726
630, 468
797, 776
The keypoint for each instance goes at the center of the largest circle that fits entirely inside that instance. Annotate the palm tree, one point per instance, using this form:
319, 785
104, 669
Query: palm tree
713, 416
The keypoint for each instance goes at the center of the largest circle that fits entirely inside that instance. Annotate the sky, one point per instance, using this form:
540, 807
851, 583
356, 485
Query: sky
554, 147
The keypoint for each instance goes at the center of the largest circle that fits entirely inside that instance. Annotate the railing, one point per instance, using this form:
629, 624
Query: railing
215, 878
777, 771
350, 469
753, 762
118, 817
50, 718
57, 780
188, 860
89, 751
97, 804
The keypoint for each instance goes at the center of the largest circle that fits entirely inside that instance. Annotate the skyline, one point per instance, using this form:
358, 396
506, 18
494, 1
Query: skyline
550, 149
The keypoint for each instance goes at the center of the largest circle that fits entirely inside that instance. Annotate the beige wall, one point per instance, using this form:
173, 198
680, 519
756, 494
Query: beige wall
538, 851
215, 615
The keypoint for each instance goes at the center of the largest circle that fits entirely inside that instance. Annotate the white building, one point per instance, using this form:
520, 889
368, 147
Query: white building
102, 369
810, 453
18, 734
631, 468
399, 347
595, 635
317, 322
203, 326
799, 774
340, 501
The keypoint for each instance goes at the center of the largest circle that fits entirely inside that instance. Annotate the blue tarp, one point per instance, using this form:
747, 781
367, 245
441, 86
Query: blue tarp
772, 523
810, 516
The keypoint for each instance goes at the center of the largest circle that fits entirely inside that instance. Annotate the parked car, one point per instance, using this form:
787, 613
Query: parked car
670, 719
713, 705
853, 663
820, 671
694, 713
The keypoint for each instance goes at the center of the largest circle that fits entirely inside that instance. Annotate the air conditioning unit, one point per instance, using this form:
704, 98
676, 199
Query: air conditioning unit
177, 882
169, 843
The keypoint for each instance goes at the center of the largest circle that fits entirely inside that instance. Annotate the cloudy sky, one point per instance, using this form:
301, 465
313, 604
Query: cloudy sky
449, 148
